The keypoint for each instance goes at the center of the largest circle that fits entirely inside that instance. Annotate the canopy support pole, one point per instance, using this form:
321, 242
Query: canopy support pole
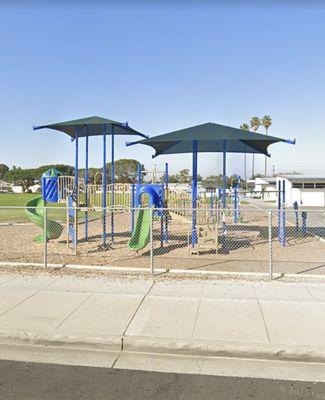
112, 185
75, 191
139, 173
165, 205
104, 187
224, 176
76, 162
194, 192
86, 181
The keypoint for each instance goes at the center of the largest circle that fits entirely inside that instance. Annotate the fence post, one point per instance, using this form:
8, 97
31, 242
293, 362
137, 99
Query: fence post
151, 242
270, 246
45, 236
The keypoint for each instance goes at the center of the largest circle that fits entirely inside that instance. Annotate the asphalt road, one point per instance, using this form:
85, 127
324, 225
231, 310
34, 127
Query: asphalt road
22, 380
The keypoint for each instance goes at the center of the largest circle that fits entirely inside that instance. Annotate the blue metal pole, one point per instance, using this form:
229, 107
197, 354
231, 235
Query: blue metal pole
283, 213
86, 181
166, 203
139, 173
162, 216
224, 176
104, 186
279, 211
194, 192
235, 205
76, 179
112, 186
296, 207
76, 171
304, 222
211, 204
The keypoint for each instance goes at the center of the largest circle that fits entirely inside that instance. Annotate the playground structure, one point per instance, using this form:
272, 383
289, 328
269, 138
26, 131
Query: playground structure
77, 194
214, 138
138, 197
156, 199
35, 213
150, 207
35, 208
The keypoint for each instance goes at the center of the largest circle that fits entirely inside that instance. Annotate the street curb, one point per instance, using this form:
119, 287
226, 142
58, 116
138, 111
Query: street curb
103, 342
209, 348
138, 344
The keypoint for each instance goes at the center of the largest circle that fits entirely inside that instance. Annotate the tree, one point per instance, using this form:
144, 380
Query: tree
63, 168
245, 127
217, 180
171, 179
266, 122
66, 170
126, 171
212, 181
23, 177
3, 169
255, 124
184, 176
94, 175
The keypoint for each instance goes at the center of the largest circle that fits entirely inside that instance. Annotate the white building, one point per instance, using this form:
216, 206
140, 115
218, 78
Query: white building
308, 191
263, 188
267, 188
35, 188
179, 187
17, 189
5, 187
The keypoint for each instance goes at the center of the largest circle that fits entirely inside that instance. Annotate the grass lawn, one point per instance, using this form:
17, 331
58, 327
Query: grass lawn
19, 215
16, 200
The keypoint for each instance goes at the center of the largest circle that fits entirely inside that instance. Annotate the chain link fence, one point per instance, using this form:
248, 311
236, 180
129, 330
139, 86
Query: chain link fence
298, 238
215, 242
17, 235
253, 241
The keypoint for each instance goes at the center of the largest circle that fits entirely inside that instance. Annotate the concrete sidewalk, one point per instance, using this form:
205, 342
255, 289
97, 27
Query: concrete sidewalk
265, 320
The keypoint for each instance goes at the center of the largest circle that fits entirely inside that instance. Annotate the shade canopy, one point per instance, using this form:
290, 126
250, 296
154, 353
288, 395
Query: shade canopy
94, 125
210, 138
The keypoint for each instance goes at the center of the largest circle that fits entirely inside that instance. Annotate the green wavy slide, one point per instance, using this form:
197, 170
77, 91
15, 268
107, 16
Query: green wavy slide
36, 214
141, 234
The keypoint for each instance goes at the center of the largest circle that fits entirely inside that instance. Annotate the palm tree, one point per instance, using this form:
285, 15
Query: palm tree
255, 124
245, 127
266, 122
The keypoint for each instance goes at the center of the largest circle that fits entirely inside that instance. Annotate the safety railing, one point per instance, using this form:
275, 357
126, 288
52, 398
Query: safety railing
91, 195
65, 186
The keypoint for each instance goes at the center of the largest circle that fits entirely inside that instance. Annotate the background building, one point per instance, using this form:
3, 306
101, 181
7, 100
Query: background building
308, 191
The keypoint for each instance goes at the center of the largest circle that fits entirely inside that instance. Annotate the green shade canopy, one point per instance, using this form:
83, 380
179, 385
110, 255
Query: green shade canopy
210, 138
94, 125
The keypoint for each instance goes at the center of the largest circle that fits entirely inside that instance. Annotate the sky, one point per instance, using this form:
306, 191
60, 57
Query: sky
162, 68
